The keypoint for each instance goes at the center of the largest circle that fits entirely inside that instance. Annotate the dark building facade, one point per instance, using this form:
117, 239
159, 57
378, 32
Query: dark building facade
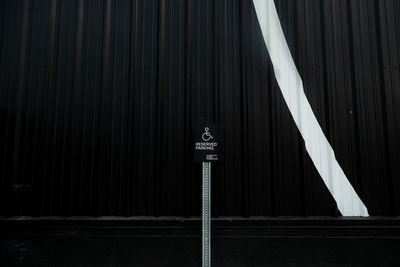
98, 100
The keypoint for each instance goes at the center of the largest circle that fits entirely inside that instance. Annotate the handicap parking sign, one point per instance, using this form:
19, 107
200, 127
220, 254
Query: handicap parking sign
206, 143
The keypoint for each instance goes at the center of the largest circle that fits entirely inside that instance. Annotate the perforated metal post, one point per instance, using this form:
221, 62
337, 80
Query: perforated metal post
206, 214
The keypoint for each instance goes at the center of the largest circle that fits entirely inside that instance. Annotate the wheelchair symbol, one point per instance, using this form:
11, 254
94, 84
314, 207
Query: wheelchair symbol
206, 135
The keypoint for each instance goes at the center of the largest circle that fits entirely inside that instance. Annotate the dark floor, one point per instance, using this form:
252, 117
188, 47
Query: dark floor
178, 243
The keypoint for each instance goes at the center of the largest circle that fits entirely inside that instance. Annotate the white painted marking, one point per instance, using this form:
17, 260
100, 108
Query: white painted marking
291, 86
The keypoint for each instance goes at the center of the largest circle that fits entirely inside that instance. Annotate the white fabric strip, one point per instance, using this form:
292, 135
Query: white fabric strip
291, 85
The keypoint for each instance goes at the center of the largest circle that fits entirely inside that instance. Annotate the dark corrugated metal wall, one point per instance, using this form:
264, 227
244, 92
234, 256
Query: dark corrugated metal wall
98, 99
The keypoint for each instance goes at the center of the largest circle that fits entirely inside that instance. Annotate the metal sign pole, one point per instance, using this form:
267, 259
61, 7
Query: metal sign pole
206, 214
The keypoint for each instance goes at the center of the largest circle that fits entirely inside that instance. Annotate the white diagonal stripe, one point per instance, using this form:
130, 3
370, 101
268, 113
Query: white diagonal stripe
291, 86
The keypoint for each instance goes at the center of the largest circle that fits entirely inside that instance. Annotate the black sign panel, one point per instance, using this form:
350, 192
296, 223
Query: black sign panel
206, 143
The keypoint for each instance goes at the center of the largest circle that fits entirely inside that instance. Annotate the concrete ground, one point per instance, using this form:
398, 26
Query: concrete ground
147, 242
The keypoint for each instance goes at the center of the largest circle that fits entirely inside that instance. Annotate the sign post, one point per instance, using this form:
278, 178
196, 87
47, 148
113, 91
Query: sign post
206, 150
206, 214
